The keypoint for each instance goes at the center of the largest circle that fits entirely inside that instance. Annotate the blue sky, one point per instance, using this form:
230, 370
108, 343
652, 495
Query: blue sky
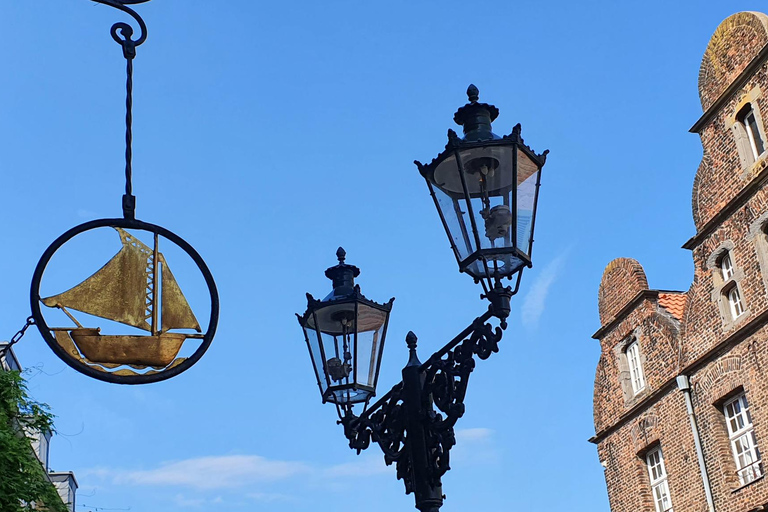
268, 134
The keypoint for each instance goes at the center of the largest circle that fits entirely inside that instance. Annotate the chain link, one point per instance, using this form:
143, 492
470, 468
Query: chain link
16, 337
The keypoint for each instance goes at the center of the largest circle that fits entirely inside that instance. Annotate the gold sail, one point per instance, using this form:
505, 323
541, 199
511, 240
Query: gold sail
119, 291
176, 313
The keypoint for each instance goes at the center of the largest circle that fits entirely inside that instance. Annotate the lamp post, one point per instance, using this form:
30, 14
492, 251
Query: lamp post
485, 188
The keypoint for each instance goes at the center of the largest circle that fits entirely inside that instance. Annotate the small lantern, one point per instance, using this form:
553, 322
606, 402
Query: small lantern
345, 335
485, 188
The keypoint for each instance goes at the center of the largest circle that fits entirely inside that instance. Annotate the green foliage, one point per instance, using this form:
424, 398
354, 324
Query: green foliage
23, 481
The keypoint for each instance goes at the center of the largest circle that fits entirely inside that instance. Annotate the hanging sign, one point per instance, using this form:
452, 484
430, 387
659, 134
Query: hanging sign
126, 320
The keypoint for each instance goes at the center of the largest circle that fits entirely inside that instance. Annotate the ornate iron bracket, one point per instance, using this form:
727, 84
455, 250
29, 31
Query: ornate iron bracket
413, 423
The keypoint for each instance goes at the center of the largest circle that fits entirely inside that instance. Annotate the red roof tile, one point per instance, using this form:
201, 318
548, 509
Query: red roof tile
674, 303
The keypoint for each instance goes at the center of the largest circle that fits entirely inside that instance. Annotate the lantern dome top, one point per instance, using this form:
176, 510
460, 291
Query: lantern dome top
342, 275
476, 118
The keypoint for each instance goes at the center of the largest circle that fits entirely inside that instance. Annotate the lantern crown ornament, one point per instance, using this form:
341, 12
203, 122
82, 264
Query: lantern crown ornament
345, 335
485, 188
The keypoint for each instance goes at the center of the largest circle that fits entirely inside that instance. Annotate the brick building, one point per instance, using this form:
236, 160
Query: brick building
681, 394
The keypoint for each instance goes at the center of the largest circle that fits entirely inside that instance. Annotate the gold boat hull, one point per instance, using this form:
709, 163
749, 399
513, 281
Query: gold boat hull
158, 351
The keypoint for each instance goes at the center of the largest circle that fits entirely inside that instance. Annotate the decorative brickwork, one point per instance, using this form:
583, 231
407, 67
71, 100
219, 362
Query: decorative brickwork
733, 45
716, 333
623, 278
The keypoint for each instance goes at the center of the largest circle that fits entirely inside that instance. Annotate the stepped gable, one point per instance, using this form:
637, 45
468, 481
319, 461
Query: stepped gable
623, 279
732, 47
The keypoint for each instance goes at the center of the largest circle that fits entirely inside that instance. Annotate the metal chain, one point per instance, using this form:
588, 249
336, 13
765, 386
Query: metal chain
16, 337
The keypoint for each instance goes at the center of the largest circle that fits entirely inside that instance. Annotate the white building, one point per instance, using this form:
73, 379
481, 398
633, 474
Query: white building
64, 482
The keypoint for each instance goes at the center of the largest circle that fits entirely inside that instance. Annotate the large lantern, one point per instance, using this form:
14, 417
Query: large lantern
485, 188
345, 335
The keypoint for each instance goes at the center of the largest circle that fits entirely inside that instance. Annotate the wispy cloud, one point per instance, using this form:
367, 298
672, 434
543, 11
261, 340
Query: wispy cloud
223, 472
366, 465
473, 434
269, 496
475, 446
231, 474
534, 302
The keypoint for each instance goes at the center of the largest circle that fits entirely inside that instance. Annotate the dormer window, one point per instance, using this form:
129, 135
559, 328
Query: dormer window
751, 127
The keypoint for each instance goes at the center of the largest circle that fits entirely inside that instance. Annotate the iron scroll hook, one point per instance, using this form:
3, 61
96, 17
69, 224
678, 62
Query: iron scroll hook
126, 31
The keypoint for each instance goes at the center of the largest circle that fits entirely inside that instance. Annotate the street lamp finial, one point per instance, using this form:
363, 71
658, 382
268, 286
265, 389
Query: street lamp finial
473, 93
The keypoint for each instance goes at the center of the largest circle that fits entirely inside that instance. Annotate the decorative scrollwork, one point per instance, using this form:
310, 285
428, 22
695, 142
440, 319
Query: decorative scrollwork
386, 426
442, 404
121, 32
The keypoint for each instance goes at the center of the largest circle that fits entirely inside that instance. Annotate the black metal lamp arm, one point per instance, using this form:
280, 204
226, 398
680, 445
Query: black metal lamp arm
426, 405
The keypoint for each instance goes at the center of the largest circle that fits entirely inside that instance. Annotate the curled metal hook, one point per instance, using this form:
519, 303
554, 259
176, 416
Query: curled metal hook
121, 32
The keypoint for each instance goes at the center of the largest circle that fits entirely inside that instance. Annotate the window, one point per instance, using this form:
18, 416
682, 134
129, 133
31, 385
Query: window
726, 266
658, 476
742, 436
734, 302
730, 288
750, 126
635, 368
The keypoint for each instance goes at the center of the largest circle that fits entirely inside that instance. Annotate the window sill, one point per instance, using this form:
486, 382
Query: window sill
734, 491
736, 323
754, 168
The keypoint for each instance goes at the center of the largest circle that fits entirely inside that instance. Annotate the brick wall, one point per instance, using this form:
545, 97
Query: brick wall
694, 333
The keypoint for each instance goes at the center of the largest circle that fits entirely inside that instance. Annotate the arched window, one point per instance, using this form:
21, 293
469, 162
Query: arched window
730, 289
726, 266
748, 130
637, 378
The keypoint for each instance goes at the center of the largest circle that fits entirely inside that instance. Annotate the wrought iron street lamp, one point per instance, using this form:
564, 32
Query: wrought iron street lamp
485, 188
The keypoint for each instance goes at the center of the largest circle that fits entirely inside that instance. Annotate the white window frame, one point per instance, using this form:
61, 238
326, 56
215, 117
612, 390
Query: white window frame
741, 433
657, 473
726, 266
636, 376
734, 302
748, 120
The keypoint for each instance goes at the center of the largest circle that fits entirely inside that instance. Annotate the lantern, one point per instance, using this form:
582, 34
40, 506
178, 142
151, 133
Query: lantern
345, 335
485, 188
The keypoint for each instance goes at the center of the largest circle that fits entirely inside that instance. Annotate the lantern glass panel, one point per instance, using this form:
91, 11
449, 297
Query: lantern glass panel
371, 323
487, 225
338, 357
310, 335
456, 215
527, 178
347, 372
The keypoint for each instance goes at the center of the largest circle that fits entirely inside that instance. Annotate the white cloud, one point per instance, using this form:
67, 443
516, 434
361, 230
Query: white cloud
473, 434
534, 302
367, 465
269, 497
185, 502
475, 446
229, 471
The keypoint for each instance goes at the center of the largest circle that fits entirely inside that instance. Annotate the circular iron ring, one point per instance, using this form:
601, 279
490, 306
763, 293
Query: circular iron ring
45, 331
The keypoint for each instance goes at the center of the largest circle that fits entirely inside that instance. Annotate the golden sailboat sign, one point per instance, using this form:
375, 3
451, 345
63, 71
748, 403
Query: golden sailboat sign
136, 288
126, 290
